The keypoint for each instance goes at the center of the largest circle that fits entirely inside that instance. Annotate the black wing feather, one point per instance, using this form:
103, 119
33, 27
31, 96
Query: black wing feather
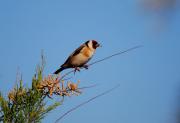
77, 51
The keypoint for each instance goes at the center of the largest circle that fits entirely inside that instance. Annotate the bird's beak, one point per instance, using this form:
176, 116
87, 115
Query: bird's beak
98, 45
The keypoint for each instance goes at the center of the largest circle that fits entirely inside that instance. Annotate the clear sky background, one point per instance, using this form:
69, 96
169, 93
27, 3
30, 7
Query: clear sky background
149, 77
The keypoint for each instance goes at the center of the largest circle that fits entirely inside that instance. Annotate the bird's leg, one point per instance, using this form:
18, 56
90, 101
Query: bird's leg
76, 69
86, 66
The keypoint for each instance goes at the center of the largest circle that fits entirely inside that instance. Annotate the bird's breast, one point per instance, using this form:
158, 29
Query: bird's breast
82, 58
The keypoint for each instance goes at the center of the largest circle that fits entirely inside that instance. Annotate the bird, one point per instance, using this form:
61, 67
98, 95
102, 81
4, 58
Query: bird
80, 56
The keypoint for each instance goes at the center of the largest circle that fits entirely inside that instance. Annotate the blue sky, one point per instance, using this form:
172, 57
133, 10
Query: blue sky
148, 77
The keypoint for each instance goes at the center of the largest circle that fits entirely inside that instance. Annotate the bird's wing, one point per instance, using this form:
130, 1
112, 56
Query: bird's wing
77, 51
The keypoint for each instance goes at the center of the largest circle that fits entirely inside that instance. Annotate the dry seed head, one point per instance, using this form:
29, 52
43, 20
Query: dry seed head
53, 85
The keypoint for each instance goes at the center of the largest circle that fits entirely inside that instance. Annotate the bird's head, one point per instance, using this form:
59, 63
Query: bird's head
93, 44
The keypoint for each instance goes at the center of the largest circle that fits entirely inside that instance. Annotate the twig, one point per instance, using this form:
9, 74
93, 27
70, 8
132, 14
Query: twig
108, 57
83, 103
88, 86
85, 87
119, 53
66, 74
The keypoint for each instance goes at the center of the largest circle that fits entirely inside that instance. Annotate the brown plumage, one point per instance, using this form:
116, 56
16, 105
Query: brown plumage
80, 56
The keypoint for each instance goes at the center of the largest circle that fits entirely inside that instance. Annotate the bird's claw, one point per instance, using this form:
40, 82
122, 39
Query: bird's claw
86, 66
76, 69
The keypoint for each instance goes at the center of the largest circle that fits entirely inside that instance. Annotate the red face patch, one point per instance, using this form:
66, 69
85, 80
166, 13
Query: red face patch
95, 44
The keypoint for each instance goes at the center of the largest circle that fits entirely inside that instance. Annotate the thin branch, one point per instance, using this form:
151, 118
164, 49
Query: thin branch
108, 57
85, 87
119, 53
88, 86
66, 74
91, 99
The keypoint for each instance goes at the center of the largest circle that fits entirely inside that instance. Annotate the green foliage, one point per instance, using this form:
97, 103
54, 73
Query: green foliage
26, 105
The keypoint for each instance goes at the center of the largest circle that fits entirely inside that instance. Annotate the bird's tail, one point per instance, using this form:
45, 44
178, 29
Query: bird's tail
59, 70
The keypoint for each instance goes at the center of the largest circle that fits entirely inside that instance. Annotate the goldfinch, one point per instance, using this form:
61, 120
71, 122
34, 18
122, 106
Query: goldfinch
80, 56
